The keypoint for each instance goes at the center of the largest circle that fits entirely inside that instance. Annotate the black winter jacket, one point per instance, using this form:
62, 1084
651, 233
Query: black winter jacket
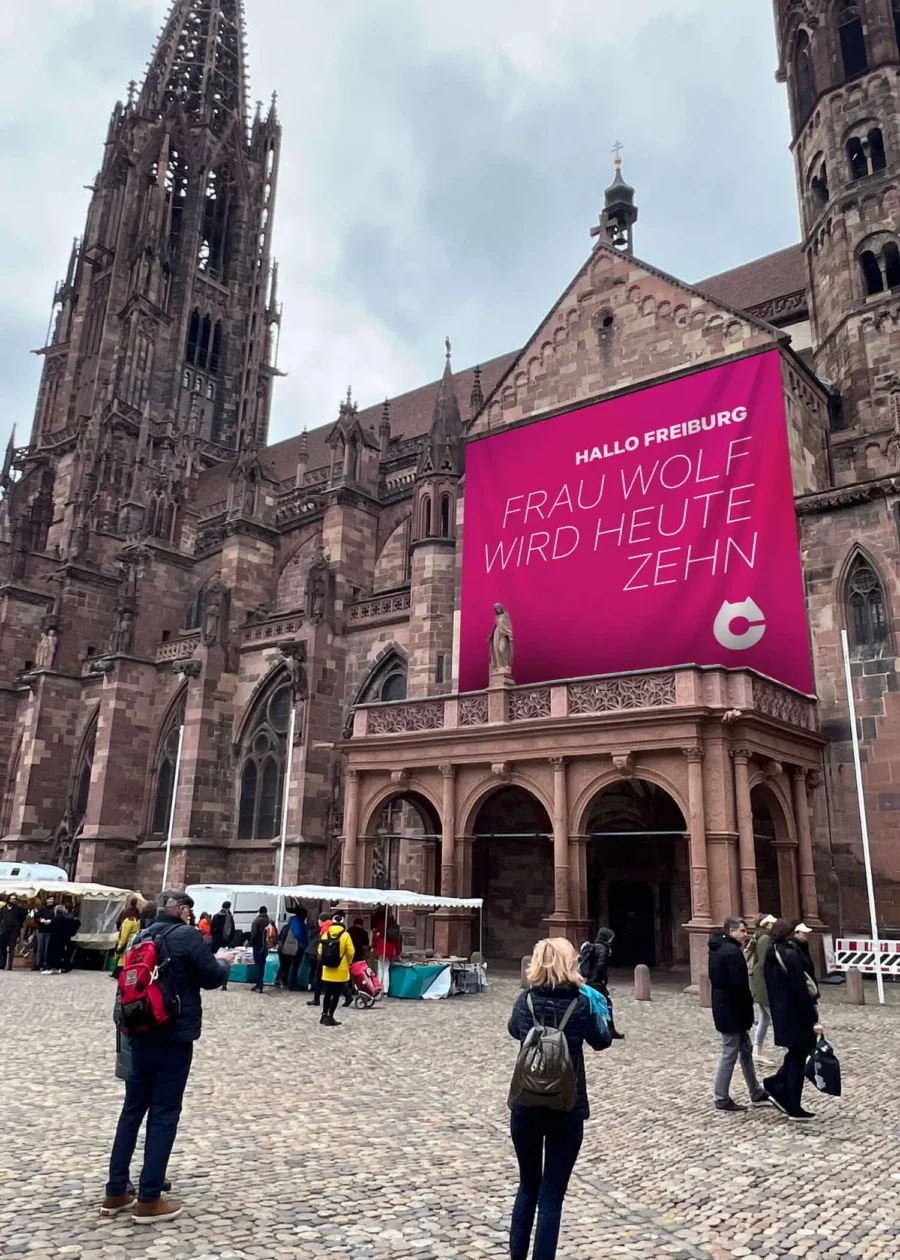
550, 1006
732, 1001
193, 968
12, 918
794, 1010
258, 931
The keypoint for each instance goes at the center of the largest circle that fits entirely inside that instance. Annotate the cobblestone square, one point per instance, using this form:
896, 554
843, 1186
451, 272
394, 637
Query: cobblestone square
388, 1136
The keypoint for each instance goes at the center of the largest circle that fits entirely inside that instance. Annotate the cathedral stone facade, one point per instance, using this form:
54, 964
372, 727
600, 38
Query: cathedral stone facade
189, 615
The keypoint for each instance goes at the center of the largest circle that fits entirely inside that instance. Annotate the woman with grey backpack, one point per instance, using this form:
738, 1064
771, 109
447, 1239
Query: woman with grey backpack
548, 1099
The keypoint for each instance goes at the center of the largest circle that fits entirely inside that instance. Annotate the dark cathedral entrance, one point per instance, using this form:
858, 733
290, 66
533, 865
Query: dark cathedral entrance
638, 873
512, 869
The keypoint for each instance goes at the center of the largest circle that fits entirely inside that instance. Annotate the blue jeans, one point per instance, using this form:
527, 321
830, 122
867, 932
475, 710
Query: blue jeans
259, 962
155, 1089
41, 944
547, 1145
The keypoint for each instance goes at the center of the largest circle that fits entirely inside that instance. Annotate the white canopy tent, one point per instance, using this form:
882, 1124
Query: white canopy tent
101, 906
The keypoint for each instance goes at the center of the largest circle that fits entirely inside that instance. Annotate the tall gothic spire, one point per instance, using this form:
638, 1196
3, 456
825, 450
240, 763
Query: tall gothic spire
199, 62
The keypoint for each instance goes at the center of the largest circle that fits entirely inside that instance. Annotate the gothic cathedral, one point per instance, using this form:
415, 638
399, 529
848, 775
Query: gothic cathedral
189, 614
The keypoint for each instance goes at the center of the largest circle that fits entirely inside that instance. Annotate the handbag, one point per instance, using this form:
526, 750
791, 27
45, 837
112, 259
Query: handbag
291, 945
824, 1070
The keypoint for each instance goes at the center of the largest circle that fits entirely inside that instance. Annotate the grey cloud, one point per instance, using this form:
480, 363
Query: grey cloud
432, 184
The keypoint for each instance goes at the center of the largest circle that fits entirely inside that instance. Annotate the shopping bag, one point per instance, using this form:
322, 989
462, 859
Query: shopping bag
824, 1070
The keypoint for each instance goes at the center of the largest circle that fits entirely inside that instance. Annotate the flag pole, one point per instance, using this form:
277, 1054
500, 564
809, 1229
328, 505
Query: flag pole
285, 801
165, 875
863, 823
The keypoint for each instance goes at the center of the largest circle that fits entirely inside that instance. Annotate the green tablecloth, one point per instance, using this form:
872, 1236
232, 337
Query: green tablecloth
410, 980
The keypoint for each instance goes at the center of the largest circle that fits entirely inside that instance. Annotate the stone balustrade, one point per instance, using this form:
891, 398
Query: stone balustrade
379, 609
272, 630
734, 692
180, 649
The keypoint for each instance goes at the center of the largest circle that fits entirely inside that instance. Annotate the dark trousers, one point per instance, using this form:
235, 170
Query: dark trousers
41, 944
547, 1145
259, 962
289, 970
315, 978
334, 991
155, 1089
7, 949
787, 1083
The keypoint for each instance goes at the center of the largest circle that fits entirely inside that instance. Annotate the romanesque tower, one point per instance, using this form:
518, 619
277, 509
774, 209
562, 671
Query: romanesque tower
161, 352
841, 62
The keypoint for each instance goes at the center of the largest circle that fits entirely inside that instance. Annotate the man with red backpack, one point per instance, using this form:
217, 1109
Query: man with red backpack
158, 1004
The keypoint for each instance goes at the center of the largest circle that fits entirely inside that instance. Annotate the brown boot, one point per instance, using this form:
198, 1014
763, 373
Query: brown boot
113, 1204
161, 1209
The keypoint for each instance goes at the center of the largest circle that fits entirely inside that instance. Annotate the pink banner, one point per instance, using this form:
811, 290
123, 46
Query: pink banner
652, 530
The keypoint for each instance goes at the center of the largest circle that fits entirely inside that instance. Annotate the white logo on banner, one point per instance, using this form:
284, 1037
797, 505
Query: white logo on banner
728, 613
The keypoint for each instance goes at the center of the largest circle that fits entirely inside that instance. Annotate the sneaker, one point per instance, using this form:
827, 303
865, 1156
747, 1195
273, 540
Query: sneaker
801, 1115
113, 1204
161, 1209
775, 1100
761, 1099
728, 1104
45, 971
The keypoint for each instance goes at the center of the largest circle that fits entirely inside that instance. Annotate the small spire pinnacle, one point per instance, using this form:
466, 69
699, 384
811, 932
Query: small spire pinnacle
476, 398
447, 344
132, 92
349, 395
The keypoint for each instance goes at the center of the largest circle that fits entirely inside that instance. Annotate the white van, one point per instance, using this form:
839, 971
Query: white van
32, 873
245, 902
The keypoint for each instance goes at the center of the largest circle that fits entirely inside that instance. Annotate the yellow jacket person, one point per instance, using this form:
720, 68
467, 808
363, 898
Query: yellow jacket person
341, 973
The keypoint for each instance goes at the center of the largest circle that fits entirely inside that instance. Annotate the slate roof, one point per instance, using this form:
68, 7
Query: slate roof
763, 280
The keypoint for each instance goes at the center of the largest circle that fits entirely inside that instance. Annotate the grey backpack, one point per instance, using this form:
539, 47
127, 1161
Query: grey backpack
544, 1075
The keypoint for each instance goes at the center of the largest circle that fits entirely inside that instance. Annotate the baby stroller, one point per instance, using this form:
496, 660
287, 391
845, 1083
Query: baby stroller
366, 984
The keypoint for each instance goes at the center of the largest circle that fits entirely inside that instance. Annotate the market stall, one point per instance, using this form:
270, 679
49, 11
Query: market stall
430, 977
97, 906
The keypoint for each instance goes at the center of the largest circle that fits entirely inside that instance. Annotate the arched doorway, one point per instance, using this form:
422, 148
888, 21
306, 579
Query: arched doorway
638, 873
405, 845
403, 850
512, 870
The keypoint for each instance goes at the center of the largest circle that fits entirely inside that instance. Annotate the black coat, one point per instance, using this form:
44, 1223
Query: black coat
11, 920
550, 1006
794, 1010
732, 1001
258, 931
193, 968
62, 929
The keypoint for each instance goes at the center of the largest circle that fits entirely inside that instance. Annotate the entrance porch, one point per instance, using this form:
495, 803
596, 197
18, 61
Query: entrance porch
654, 803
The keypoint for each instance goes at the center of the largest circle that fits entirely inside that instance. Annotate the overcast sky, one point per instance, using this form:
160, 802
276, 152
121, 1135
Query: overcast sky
441, 165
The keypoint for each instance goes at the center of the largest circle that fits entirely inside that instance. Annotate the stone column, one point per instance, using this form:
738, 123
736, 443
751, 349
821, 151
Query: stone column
578, 891
349, 874
698, 928
560, 839
746, 845
448, 830
697, 835
809, 903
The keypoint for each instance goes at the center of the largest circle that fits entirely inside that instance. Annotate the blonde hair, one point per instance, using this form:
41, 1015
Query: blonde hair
553, 963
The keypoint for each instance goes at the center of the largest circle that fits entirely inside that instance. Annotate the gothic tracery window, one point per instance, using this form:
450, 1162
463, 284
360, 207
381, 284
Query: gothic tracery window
262, 767
866, 602
852, 39
804, 77
166, 768
215, 229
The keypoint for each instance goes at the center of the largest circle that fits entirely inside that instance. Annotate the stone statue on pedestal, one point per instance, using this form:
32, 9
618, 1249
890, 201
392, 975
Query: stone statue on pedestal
500, 641
45, 655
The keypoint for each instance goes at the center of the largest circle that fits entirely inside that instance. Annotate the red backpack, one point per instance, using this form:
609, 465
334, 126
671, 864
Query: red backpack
147, 999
